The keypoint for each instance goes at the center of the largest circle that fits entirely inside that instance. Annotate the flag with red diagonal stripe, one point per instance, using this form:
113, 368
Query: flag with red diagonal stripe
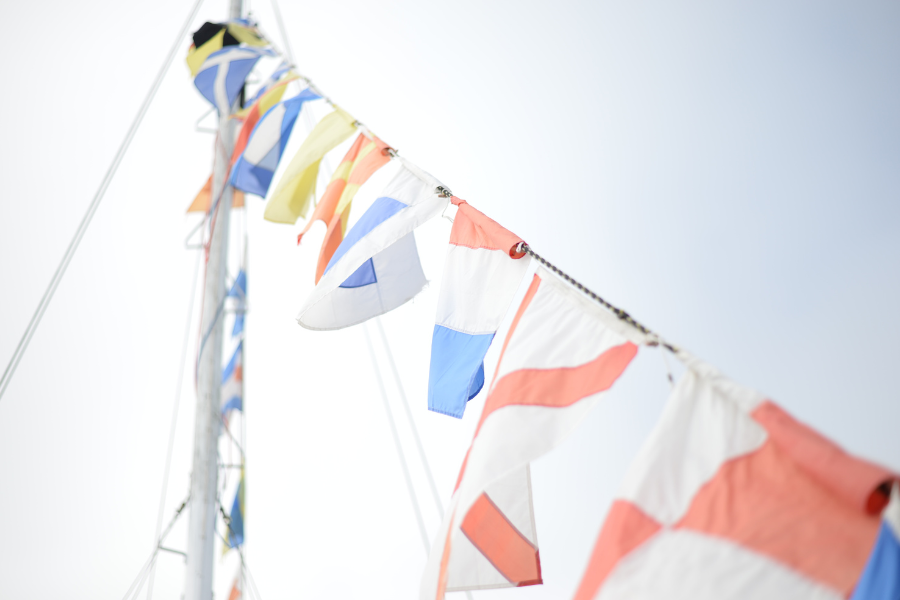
563, 350
731, 498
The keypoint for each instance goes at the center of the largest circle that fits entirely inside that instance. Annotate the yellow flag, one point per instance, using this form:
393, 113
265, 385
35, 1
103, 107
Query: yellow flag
197, 56
295, 190
246, 36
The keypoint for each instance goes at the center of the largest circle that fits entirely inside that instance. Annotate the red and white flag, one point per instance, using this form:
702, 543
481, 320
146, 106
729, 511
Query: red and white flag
731, 498
562, 351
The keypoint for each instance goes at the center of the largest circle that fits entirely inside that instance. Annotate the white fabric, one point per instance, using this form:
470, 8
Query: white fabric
468, 568
400, 278
332, 307
477, 288
686, 565
223, 62
559, 328
671, 468
265, 136
891, 514
558, 309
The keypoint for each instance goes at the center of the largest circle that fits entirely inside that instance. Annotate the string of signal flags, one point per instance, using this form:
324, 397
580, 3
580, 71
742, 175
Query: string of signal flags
730, 496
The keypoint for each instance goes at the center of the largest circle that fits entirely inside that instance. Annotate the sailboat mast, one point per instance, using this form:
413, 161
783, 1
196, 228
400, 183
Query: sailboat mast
205, 472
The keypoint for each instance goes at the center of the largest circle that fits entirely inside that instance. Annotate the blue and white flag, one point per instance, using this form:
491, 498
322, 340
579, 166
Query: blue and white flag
233, 382
253, 171
239, 291
224, 72
881, 578
482, 272
236, 526
376, 268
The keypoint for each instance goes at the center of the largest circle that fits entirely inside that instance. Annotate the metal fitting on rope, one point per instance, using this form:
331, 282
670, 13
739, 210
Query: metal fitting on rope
621, 314
392, 152
443, 192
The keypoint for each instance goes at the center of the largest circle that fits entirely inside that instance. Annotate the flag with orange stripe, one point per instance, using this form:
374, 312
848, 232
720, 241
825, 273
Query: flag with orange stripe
204, 197
365, 156
253, 113
562, 351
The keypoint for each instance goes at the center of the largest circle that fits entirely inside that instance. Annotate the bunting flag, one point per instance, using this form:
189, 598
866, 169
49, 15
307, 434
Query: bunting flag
563, 350
212, 37
254, 112
481, 276
254, 169
282, 69
204, 197
235, 593
376, 268
329, 200
239, 291
222, 75
233, 382
364, 158
297, 186
881, 578
236, 526
731, 498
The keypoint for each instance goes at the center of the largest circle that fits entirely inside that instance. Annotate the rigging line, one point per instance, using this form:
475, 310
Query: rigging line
153, 554
412, 423
212, 326
399, 447
184, 347
621, 314
92, 207
240, 551
140, 574
144, 576
282, 30
250, 577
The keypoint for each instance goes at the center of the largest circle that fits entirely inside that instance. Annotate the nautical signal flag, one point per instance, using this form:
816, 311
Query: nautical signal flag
562, 351
223, 73
235, 593
482, 272
731, 498
204, 197
376, 268
252, 114
215, 36
297, 186
881, 578
255, 168
364, 157
233, 382
239, 291
236, 524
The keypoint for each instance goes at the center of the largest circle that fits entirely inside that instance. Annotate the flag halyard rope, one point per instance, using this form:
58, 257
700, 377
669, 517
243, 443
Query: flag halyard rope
618, 312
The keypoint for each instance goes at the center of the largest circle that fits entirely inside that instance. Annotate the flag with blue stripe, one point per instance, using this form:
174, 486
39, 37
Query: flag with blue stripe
236, 526
376, 268
881, 578
482, 272
253, 171
224, 72
239, 292
233, 382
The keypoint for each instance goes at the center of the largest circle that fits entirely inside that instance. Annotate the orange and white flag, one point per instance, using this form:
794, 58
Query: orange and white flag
365, 156
563, 350
732, 498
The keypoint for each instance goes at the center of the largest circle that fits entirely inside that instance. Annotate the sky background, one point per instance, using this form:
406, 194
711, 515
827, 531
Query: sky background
726, 172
